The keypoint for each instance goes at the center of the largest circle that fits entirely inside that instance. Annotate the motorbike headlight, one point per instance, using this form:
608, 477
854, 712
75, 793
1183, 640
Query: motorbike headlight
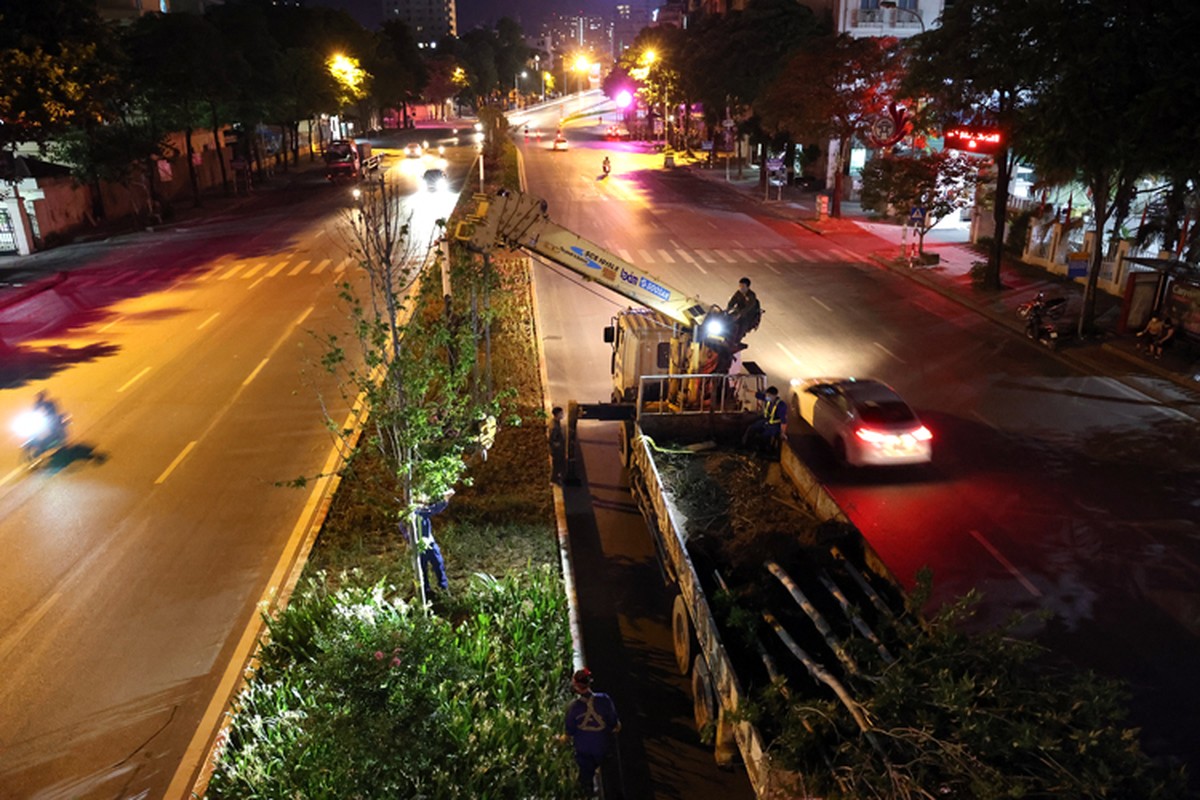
29, 424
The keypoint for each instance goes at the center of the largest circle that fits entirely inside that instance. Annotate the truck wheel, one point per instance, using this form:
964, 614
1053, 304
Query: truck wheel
704, 700
681, 635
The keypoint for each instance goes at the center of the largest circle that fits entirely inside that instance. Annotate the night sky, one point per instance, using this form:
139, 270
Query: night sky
476, 12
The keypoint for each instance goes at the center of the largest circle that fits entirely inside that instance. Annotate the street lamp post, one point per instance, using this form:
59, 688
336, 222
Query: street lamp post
893, 5
517, 86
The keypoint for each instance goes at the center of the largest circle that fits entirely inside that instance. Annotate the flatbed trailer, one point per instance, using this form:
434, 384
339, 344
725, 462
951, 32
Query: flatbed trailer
723, 672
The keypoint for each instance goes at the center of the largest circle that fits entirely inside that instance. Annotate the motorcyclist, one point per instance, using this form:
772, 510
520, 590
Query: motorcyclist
44, 405
607, 165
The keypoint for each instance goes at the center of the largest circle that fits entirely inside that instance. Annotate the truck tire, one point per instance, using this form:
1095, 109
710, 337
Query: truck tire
681, 635
704, 699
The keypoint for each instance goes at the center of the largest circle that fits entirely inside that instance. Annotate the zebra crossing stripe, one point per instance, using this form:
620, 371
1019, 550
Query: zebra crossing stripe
341, 267
229, 274
278, 268
253, 271
726, 256
773, 268
764, 255
646, 259
624, 254
666, 256
686, 256
706, 256
298, 267
325, 262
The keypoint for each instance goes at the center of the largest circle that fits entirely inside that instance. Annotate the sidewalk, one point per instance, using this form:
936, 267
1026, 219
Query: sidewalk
1173, 381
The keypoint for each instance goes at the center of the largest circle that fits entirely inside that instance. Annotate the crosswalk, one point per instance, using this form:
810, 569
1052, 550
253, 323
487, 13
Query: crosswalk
769, 256
247, 270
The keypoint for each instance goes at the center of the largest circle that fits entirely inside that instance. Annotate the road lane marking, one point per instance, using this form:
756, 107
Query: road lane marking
110, 324
254, 374
817, 300
13, 636
340, 268
320, 267
256, 283
1008, 565
889, 352
278, 268
764, 255
790, 354
726, 256
666, 256
688, 257
773, 268
176, 462
706, 256
298, 268
254, 271
204, 324
983, 419
624, 254
646, 259
230, 273
132, 380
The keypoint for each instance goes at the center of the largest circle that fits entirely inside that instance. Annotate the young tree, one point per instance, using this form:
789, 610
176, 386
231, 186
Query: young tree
832, 90
981, 64
939, 183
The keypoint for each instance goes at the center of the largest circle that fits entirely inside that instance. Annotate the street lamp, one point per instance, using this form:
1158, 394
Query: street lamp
517, 86
893, 5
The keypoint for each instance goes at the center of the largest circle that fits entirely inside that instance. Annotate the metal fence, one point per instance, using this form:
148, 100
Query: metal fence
698, 394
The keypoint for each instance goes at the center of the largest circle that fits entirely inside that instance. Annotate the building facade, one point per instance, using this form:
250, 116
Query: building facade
429, 20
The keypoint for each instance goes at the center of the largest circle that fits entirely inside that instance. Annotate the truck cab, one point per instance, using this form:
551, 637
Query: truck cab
342, 161
641, 342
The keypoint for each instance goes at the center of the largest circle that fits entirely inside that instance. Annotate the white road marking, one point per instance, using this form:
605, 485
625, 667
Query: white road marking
773, 268
320, 267
341, 267
256, 283
818, 301
278, 268
764, 255
666, 256
790, 354
230, 273
13, 636
176, 462
296, 270
889, 352
108, 325
686, 256
254, 374
132, 380
706, 256
1008, 565
204, 324
253, 271
646, 259
726, 256
983, 419
624, 254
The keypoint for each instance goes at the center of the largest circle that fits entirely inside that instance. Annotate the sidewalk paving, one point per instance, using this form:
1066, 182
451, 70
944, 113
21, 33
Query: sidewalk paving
1174, 380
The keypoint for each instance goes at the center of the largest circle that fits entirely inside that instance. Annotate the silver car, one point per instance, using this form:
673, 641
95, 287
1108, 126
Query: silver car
864, 421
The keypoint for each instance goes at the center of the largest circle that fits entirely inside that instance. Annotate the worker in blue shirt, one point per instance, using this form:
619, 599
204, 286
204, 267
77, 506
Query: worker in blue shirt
591, 722
430, 554
771, 425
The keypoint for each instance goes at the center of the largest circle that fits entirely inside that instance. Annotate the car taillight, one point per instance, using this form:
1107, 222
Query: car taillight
922, 434
868, 435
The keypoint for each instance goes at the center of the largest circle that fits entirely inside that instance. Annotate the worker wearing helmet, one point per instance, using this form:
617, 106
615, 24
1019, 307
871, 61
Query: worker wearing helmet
591, 723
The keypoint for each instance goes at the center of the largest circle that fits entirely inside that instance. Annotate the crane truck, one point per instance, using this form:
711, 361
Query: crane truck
811, 575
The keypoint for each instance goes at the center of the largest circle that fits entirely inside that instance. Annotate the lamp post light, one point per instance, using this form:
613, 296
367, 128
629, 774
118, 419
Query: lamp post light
893, 5
517, 85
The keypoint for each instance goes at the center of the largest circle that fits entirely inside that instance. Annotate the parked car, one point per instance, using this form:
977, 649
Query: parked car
436, 180
864, 421
413, 150
616, 133
560, 142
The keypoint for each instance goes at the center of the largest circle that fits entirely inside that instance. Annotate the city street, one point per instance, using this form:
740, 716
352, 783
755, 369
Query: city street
1052, 489
136, 559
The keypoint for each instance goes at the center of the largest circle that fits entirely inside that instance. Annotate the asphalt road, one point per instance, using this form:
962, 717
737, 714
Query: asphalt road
189, 361
1053, 489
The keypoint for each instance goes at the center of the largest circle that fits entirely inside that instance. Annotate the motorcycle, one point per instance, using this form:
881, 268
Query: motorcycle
42, 434
1051, 308
1041, 330
607, 166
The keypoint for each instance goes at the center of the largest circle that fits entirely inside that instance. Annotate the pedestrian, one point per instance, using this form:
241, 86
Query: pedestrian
558, 447
1163, 339
591, 723
1149, 334
430, 555
771, 425
744, 309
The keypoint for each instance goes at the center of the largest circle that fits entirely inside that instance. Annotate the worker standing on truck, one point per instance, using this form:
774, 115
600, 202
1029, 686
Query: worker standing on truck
745, 309
591, 723
771, 425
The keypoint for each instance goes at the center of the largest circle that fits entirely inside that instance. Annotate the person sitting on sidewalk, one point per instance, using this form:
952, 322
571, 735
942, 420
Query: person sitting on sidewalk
1149, 334
1163, 339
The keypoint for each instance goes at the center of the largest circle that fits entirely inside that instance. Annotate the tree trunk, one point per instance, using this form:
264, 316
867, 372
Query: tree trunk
193, 178
839, 179
220, 149
1100, 202
991, 278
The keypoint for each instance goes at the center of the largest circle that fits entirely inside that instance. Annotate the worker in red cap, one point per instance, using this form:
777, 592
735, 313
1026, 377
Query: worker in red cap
591, 722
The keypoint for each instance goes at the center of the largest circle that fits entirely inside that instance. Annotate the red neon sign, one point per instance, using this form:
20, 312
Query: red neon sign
985, 141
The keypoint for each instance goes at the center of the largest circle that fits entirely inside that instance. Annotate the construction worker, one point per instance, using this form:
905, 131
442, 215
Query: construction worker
591, 723
744, 309
772, 425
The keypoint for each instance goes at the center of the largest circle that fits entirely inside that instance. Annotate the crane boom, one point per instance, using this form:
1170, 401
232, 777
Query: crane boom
514, 219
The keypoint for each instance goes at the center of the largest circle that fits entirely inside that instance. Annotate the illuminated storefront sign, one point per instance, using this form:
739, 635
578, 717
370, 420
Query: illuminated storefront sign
985, 141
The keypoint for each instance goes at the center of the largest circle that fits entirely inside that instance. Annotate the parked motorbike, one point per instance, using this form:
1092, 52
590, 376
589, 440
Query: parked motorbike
1050, 308
42, 435
1041, 330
